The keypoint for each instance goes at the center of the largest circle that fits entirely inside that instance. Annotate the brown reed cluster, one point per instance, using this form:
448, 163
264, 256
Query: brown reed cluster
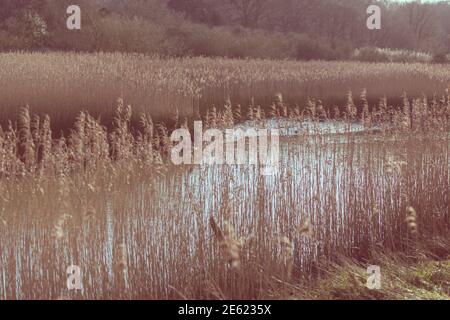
29, 147
287, 252
61, 84
414, 114
228, 243
89, 197
411, 221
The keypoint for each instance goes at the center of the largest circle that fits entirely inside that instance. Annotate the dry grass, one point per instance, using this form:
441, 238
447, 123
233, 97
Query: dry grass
63, 84
428, 279
108, 201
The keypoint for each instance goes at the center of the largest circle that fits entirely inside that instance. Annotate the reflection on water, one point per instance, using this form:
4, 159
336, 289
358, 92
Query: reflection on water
164, 228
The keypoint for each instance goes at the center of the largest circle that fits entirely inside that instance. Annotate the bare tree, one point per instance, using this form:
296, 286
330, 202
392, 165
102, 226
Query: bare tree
336, 21
14, 7
248, 12
291, 15
420, 21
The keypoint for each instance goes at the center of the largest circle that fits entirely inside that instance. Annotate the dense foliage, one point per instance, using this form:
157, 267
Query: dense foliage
295, 29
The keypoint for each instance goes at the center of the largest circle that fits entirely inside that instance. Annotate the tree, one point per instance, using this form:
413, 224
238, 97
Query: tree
248, 13
420, 19
290, 15
202, 11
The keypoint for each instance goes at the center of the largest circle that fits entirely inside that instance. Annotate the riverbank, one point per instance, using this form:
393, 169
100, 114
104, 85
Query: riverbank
401, 277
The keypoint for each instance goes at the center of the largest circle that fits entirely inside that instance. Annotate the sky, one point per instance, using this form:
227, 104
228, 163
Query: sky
430, 1
415, 0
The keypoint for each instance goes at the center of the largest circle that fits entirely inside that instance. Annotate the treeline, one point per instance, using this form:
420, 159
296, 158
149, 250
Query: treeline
281, 29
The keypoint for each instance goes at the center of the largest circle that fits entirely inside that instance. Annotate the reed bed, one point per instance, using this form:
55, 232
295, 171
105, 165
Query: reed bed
109, 201
63, 84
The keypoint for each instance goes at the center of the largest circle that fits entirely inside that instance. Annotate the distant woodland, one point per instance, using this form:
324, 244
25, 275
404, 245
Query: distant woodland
276, 29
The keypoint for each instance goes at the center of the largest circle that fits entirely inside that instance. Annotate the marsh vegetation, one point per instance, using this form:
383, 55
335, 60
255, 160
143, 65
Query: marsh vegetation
107, 198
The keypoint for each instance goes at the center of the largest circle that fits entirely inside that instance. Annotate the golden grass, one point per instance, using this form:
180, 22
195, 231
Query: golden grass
63, 84
428, 279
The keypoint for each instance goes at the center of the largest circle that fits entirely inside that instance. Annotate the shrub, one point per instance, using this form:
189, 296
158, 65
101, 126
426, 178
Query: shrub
370, 55
440, 57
